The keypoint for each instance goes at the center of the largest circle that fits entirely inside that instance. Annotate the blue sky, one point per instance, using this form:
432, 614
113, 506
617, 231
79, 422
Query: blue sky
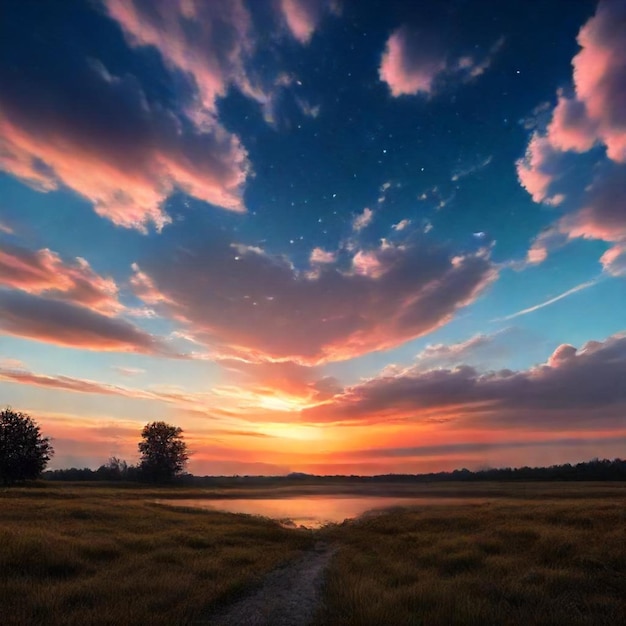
304, 228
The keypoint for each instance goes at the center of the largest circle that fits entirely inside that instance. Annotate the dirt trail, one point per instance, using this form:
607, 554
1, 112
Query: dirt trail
289, 596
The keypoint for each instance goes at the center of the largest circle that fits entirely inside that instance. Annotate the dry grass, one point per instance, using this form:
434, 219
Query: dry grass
100, 556
511, 562
534, 554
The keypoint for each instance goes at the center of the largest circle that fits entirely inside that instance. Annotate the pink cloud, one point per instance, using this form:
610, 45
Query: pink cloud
416, 62
594, 115
258, 307
303, 16
209, 42
407, 71
538, 169
123, 153
564, 353
570, 128
42, 272
601, 217
614, 260
318, 255
600, 75
367, 264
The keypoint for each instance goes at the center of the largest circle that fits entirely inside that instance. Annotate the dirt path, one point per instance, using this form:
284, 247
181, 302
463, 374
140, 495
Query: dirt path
289, 596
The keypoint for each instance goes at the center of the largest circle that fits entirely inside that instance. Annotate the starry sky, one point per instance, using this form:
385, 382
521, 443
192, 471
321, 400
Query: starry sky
327, 236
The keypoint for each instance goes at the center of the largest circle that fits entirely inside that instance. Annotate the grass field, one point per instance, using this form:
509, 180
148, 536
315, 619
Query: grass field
91, 556
557, 562
532, 554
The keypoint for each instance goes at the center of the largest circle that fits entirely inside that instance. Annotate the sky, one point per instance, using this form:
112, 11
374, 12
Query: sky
323, 236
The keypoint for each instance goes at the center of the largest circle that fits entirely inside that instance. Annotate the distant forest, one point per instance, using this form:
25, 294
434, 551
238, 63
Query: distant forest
596, 469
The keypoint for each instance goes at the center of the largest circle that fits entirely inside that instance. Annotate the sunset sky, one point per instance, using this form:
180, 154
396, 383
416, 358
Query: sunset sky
327, 236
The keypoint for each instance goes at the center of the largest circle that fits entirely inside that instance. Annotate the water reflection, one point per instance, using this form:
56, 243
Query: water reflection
315, 510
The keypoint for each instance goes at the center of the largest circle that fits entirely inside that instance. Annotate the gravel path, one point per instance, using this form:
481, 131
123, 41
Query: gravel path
289, 596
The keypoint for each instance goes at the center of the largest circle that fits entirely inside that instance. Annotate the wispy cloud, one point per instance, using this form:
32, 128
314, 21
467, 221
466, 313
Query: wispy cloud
536, 307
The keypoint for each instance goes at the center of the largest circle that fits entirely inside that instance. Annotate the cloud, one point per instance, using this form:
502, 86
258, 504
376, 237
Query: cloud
67, 383
542, 305
258, 306
575, 388
593, 115
6, 229
71, 325
471, 169
441, 354
12, 364
210, 43
318, 255
401, 225
278, 387
539, 168
597, 111
129, 371
42, 272
303, 16
361, 220
173, 396
415, 62
614, 260
600, 217
447, 449
101, 135
212, 47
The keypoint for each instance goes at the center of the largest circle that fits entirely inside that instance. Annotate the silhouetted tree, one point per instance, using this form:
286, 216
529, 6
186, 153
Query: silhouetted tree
24, 453
164, 453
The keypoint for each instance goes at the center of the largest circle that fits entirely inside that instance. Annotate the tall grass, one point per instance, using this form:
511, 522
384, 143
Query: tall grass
517, 562
89, 559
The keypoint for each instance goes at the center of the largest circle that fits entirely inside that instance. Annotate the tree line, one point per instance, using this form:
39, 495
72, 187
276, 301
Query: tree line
25, 453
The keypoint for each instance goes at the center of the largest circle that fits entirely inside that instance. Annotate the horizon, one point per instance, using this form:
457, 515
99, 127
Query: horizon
293, 475
326, 237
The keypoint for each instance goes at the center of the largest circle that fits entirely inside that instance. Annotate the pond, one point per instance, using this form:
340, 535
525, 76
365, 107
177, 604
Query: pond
315, 510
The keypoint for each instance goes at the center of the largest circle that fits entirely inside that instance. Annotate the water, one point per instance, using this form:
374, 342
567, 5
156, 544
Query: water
315, 510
